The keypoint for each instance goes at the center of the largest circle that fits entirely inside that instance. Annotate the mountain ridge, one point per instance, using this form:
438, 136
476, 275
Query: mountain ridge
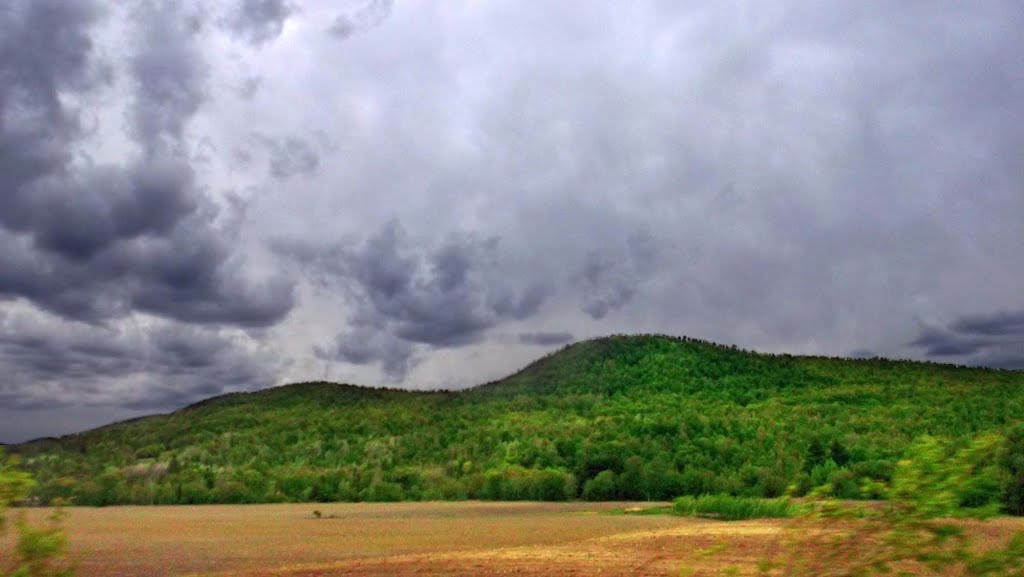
625, 417
501, 381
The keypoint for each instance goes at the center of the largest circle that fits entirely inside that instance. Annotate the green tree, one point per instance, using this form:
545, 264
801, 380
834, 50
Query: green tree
665, 416
601, 488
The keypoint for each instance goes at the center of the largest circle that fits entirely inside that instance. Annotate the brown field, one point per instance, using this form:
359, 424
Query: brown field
467, 538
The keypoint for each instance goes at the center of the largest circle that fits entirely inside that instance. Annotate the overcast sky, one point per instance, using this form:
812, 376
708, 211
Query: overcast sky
198, 197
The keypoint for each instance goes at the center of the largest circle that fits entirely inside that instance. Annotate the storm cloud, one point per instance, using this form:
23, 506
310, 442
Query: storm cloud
92, 241
991, 339
545, 339
402, 294
224, 196
136, 366
609, 281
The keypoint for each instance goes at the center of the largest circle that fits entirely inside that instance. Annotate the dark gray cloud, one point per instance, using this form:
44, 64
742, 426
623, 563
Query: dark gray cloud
993, 340
1000, 324
404, 293
168, 73
96, 241
609, 280
360, 16
186, 276
366, 344
945, 343
44, 51
259, 21
545, 339
91, 210
155, 368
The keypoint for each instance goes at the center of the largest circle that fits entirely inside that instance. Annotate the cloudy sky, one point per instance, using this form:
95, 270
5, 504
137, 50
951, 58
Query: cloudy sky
200, 197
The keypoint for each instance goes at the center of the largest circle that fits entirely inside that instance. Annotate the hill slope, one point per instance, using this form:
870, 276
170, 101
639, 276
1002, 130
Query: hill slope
645, 417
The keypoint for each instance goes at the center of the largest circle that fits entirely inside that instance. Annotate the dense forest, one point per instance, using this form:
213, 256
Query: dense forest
624, 417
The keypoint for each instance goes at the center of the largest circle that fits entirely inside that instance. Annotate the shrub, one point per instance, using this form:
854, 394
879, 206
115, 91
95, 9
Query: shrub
514, 483
600, 488
1013, 464
728, 508
381, 491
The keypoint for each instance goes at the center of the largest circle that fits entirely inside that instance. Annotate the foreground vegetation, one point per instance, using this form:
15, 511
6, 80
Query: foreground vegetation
922, 528
621, 418
38, 551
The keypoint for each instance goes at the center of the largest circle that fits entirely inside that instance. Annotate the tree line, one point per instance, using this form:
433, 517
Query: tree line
619, 418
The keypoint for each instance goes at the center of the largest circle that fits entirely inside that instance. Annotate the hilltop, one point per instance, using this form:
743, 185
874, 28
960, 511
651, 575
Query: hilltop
624, 417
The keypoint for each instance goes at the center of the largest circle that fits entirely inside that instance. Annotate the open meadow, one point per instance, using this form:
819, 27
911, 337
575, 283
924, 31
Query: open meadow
465, 538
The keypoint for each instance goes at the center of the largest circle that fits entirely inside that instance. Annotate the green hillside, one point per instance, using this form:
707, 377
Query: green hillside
626, 417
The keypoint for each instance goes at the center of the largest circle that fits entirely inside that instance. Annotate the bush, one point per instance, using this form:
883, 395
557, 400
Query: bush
1013, 464
552, 485
515, 483
600, 488
381, 491
728, 508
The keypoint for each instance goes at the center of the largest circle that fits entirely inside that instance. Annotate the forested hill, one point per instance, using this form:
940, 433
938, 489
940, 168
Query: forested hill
625, 417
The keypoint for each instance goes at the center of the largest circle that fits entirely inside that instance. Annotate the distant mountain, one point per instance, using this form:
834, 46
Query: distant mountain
623, 417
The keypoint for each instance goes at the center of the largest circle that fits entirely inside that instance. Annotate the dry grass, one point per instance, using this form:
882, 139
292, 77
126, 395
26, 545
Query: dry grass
414, 538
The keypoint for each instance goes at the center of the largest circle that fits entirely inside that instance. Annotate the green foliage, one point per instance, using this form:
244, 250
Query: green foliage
41, 551
728, 508
518, 484
1013, 463
631, 418
38, 551
15, 484
603, 487
935, 477
915, 532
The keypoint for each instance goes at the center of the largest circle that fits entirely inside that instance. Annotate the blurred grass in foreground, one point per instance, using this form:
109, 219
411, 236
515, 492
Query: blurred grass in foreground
923, 528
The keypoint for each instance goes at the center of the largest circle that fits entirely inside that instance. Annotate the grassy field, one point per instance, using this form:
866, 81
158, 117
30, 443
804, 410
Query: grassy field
414, 539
